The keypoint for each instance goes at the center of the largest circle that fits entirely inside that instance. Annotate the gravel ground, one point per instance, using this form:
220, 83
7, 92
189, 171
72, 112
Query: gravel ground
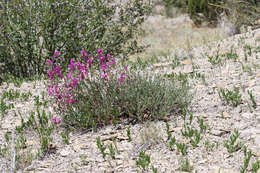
82, 154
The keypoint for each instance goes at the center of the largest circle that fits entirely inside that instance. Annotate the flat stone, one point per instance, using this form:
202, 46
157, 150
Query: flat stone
186, 62
79, 147
221, 84
200, 86
247, 115
216, 132
31, 142
119, 162
65, 152
224, 115
256, 151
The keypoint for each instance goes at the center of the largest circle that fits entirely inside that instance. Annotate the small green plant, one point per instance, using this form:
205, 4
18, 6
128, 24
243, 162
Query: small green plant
184, 114
208, 146
115, 144
196, 140
247, 157
231, 144
26, 96
178, 76
256, 166
187, 131
4, 107
143, 161
169, 135
129, 134
202, 126
191, 117
186, 166
94, 126
247, 52
231, 55
42, 124
154, 169
252, 98
182, 147
11, 94
21, 142
65, 137
39, 103
172, 143
246, 68
175, 62
7, 137
112, 151
101, 147
230, 97
215, 60
15, 94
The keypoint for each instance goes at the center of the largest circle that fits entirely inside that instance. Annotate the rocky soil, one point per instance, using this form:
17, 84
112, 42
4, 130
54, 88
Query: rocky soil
211, 156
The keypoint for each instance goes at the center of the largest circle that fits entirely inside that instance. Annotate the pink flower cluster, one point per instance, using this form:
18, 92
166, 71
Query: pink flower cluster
55, 121
64, 88
106, 62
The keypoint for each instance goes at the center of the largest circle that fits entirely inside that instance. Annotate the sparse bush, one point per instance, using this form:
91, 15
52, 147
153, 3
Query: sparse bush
30, 31
240, 13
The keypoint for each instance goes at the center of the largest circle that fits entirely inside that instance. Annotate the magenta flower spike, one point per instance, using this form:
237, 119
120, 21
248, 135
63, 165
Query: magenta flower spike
104, 76
50, 74
83, 53
49, 61
102, 59
103, 67
99, 51
122, 77
108, 56
50, 90
90, 62
72, 61
56, 53
54, 120
112, 61
69, 75
125, 67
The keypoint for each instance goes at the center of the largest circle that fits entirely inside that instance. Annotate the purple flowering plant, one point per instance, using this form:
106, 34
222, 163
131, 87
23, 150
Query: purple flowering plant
64, 87
97, 90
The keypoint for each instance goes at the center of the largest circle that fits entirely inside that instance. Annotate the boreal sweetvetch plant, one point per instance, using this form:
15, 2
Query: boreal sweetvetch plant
100, 90
31, 30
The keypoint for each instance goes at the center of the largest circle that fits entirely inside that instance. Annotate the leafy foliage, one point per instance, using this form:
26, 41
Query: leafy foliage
141, 97
30, 31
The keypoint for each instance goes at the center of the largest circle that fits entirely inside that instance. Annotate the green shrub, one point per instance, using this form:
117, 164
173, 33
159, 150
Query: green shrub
140, 98
31, 30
